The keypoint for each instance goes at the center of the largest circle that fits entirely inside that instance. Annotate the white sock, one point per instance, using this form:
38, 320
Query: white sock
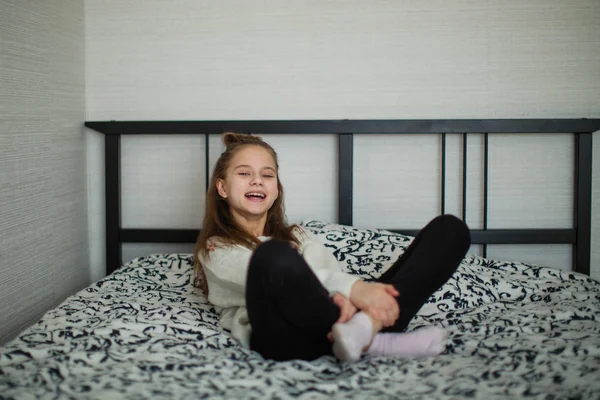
350, 338
424, 342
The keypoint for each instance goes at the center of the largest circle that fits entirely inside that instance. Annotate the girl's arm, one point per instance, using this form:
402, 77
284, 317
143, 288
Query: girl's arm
226, 268
324, 264
377, 299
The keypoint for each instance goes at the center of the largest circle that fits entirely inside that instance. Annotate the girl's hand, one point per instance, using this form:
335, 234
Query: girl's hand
377, 299
347, 309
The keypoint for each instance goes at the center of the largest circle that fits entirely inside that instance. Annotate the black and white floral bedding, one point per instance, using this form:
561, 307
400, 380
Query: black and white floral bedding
515, 331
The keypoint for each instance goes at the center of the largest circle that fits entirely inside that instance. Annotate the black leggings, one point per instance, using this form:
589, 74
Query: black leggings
291, 312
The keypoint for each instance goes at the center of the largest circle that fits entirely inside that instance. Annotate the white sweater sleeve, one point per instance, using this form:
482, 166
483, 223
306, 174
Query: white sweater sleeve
324, 264
226, 268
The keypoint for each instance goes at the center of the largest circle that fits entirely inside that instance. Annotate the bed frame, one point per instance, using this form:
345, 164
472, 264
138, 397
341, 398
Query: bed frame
582, 129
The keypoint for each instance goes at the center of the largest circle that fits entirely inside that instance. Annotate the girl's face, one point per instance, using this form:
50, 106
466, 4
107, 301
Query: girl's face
250, 184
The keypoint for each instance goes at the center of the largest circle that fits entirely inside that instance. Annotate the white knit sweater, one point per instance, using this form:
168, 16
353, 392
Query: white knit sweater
226, 268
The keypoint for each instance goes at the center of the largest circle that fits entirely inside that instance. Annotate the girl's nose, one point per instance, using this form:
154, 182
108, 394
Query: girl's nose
256, 180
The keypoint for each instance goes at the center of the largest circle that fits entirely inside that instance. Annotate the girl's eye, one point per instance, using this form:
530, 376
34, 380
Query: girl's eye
267, 176
243, 173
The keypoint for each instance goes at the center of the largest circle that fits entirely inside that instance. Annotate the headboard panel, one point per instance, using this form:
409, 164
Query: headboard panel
582, 129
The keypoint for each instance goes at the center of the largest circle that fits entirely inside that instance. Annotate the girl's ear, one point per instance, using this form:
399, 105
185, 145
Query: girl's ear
221, 188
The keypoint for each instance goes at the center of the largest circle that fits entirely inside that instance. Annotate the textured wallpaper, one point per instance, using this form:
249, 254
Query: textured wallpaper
348, 59
43, 207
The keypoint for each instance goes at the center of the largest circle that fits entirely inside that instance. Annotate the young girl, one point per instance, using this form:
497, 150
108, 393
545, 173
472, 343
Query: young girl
281, 292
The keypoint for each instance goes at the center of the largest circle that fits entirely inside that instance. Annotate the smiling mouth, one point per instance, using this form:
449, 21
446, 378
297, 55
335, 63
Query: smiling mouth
255, 196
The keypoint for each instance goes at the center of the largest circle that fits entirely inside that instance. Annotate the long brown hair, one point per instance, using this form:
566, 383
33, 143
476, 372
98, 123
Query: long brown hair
218, 221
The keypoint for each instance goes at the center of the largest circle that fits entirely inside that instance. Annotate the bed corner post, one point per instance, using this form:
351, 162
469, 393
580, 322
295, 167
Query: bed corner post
583, 202
112, 169
345, 153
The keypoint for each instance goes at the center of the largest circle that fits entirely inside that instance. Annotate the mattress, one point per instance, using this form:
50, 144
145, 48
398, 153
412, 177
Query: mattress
516, 330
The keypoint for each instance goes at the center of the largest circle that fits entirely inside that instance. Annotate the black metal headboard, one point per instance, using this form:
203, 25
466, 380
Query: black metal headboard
582, 129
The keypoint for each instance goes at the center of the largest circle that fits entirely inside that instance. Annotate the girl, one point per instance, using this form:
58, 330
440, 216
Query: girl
281, 292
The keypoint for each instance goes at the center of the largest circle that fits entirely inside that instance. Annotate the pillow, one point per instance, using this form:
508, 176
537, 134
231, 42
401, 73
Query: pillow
366, 253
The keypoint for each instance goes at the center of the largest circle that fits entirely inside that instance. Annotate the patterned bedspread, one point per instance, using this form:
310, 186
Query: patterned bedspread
515, 331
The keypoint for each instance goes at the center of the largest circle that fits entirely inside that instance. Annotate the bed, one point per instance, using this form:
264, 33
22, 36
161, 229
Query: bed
516, 330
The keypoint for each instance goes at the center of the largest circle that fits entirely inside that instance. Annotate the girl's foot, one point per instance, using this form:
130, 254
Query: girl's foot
350, 338
423, 342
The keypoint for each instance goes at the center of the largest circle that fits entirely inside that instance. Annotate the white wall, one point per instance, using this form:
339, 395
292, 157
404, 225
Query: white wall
201, 60
43, 209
